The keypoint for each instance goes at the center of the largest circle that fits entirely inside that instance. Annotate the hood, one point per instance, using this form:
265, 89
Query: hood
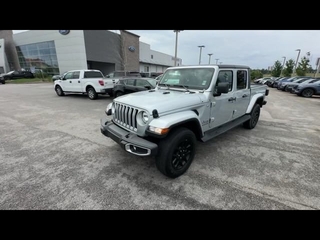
162, 100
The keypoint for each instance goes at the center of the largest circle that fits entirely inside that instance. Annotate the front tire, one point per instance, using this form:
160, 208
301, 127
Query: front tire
59, 91
308, 92
255, 114
92, 94
176, 152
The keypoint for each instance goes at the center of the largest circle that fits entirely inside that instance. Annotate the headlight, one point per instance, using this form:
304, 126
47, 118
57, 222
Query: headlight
145, 117
110, 109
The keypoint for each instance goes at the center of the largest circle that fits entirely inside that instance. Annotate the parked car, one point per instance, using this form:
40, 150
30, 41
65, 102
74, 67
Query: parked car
158, 78
117, 75
280, 85
308, 90
293, 86
270, 81
284, 86
16, 75
56, 77
276, 82
130, 85
90, 81
190, 104
261, 80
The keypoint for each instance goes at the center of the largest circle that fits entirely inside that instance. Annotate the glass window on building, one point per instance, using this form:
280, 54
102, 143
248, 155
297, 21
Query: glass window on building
40, 55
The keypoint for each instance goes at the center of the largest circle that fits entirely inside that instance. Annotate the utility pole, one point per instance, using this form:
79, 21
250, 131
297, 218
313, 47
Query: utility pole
176, 47
202, 46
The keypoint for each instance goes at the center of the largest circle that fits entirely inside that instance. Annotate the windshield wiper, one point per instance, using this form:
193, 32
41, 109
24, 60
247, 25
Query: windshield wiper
185, 87
163, 84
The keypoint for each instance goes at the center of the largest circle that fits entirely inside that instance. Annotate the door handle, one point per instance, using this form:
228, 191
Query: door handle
231, 99
78, 81
244, 95
70, 81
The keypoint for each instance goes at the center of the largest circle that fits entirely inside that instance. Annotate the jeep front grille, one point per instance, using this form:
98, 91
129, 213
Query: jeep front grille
126, 116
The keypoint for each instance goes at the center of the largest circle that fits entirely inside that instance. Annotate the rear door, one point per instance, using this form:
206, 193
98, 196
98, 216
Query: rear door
241, 93
130, 86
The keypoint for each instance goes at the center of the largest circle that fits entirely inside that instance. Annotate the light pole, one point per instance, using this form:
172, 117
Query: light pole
176, 47
295, 66
202, 46
210, 56
284, 60
217, 60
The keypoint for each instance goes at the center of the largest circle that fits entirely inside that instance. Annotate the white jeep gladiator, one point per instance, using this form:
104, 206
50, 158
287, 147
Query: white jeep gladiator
90, 81
189, 103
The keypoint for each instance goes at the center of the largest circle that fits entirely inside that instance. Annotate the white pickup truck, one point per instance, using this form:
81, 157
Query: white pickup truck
190, 103
89, 81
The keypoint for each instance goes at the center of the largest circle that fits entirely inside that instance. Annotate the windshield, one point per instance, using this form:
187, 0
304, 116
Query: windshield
153, 82
195, 78
10, 72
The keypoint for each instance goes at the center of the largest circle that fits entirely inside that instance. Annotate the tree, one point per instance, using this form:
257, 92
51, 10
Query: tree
256, 73
289, 68
303, 67
277, 67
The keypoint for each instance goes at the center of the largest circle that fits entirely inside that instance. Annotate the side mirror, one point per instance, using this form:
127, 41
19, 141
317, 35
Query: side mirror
147, 87
108, 76
222, 87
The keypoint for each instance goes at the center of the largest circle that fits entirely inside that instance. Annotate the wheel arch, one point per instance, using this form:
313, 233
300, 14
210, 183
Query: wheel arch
258, 98
187, 119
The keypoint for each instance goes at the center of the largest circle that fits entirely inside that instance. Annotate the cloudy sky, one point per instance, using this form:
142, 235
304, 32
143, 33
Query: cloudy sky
255, 48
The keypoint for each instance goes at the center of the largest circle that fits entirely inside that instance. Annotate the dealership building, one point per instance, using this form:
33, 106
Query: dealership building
58, 51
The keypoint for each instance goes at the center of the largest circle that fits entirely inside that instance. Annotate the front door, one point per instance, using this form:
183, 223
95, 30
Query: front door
75, 85
66, 82
222, 106
242, 93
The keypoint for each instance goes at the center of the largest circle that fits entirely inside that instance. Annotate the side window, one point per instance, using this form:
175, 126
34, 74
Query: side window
242, 79
226, 76
141, 83
130, 82
111, 75
68, 75
76, 75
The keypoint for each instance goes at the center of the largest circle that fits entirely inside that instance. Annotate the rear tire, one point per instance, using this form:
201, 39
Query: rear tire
92, 94
176, 152
255, 114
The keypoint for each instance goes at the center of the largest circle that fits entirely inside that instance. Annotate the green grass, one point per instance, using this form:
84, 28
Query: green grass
29, 80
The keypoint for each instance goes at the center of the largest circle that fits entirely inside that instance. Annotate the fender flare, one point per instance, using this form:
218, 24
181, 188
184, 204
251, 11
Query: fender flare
179, 119
253, 101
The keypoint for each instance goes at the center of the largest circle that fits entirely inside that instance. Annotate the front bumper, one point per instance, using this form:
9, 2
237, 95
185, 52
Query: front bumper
130, 142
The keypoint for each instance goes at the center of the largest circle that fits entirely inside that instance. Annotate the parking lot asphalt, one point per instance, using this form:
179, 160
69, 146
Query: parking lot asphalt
53, 156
